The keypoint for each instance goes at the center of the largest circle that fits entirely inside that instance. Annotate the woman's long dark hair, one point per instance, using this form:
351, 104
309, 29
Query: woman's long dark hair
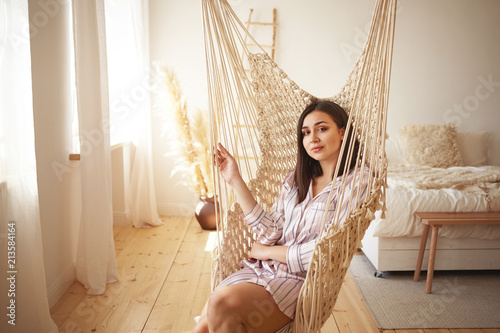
308, 168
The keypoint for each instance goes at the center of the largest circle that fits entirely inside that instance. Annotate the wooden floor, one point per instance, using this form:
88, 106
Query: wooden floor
164, 283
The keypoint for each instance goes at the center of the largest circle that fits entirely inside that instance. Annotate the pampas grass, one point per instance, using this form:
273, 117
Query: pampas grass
192, 139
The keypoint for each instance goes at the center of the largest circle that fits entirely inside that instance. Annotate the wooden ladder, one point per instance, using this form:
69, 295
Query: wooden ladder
270, 49
272, 25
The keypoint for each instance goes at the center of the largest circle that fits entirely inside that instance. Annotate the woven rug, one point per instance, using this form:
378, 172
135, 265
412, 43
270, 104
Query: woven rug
459, 299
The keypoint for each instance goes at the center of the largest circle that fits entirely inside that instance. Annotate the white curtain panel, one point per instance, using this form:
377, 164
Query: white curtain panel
131, 84
142, 197
96, 260
23, 295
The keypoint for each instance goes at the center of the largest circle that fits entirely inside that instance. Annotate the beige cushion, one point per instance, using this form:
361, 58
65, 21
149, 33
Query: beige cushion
431, 145
473, 147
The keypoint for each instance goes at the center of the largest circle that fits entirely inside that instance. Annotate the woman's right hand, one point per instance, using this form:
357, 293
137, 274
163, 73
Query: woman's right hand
228, 168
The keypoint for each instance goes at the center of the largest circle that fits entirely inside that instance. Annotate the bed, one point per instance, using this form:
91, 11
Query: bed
435, 168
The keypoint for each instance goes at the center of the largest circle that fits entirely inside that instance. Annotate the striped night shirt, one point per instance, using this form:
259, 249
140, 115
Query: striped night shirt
296, 226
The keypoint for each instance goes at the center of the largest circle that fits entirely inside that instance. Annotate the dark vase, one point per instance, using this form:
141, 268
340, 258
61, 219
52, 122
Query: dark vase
205, 213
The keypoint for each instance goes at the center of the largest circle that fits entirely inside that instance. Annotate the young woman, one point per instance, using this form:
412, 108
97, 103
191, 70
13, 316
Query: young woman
262, 296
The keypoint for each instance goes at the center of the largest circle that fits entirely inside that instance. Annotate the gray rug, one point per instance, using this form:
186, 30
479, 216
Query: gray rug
459, 299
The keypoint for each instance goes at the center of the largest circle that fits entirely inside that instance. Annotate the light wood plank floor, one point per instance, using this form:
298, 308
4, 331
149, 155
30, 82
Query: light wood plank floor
164, 283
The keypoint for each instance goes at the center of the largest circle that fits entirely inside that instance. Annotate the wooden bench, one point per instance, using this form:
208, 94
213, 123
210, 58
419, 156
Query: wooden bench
436, 220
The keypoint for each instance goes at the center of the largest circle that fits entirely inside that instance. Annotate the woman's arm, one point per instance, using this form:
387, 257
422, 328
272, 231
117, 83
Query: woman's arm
268, 226
268, 252
298, 256
229, 171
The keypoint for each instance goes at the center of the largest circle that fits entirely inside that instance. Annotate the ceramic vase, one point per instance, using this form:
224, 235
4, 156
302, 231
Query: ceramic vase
205, 213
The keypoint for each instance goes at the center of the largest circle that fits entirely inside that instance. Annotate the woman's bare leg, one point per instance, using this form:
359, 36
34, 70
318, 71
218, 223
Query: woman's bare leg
242, 307
202, 325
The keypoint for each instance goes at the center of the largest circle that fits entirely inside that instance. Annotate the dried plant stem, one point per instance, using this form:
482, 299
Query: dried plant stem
193, 152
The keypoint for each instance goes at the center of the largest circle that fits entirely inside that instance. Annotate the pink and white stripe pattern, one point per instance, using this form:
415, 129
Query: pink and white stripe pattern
296, 226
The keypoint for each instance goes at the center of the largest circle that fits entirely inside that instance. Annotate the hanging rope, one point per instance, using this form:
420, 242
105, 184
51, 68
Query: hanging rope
256, 119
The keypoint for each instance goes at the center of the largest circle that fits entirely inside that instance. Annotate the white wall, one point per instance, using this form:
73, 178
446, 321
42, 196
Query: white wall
441, 64
176, 41
57, 177
120, 181
444, 52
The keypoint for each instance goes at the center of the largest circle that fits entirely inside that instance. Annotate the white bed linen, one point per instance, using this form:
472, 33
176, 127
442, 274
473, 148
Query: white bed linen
403, 202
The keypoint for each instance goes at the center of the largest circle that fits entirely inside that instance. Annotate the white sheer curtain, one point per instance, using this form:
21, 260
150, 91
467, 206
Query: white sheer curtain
23, 297
130, 83
96, 260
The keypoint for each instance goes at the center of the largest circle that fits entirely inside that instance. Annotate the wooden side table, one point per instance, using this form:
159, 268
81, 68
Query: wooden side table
436, 220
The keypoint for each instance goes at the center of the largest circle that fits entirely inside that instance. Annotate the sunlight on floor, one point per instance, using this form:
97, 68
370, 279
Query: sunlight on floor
211, 241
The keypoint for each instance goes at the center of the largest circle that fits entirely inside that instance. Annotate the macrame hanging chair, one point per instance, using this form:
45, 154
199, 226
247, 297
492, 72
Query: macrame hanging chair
255, 116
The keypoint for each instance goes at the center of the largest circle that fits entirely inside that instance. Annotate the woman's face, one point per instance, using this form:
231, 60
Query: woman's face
321, 137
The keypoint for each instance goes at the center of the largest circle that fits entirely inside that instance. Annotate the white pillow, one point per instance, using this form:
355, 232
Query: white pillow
473, 147
394, 151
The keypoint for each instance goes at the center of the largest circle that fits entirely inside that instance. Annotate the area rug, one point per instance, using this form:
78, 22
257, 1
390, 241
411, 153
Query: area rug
459, 299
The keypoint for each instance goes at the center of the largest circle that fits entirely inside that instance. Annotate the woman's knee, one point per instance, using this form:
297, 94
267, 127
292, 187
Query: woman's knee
245, 307
221, 306
222, 301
